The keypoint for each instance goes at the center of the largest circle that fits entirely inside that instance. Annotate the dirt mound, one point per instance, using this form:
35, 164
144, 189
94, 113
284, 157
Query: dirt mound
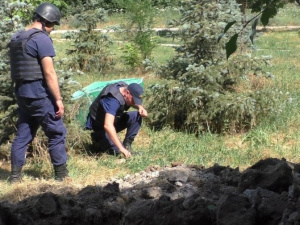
266, 193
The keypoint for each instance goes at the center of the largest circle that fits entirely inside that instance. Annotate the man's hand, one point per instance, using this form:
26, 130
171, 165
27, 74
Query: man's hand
142, 111
125, 152
61, 108
112, 133
52, 83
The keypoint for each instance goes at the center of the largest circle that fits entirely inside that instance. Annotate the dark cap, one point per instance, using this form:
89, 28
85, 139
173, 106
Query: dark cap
137, 92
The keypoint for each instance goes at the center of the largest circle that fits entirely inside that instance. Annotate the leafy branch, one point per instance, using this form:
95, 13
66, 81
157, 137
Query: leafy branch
265, 13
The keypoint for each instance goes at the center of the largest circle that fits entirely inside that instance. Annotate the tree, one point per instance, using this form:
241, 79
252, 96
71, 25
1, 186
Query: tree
203, 91
9, 22
139, 17
89, 51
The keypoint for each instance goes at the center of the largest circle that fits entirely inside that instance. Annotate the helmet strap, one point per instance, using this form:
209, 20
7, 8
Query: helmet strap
43, 25
41, 20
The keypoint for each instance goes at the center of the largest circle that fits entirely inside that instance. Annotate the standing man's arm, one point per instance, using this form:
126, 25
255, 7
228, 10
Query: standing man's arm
52, 83
112, 133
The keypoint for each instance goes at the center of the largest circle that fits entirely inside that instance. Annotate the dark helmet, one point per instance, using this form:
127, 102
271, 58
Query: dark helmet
48, 12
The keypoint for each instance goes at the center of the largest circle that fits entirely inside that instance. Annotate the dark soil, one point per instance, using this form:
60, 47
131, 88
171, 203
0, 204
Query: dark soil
264, 194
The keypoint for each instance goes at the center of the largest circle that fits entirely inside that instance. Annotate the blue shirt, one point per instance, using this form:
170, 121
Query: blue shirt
38, 46
110, 104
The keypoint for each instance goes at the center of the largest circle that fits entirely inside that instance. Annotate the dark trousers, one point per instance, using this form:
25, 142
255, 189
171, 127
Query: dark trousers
131, 121
32, 114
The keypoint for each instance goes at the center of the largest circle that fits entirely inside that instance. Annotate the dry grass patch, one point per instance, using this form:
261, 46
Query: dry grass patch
253, 83
235, 141
83, 171
29, 188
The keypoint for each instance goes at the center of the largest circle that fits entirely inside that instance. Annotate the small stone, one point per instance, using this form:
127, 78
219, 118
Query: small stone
179, 184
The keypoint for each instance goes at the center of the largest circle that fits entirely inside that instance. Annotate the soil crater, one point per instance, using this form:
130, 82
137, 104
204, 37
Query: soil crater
265, 193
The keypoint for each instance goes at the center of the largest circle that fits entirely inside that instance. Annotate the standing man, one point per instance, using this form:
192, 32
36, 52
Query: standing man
37, 91
107, 117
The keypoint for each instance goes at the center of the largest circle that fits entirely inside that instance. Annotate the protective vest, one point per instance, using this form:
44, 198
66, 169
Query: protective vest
97, 113
24, 66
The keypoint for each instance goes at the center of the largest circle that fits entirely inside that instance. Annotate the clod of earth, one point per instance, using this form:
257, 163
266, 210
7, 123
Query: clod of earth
266, 193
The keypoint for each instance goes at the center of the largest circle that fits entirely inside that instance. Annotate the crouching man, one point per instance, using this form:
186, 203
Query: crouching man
108, 115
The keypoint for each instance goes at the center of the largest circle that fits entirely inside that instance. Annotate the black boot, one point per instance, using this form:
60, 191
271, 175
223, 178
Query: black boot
16, 175
127, 144
114, 152
61, 172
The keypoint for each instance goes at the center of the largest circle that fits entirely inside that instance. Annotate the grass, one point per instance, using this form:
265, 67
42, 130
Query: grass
286, 16
276, 137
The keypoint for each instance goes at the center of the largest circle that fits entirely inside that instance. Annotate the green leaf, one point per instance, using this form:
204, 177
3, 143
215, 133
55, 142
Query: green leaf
256, 6
226, 29
228, 26
265, 18
267, 14
231, 45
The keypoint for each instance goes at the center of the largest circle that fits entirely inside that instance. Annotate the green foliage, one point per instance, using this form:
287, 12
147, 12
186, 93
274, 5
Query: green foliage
77, 6
204, 91
166, 3
140, 21
146, 43
231, 45
200, 24
59, 3
9, 21
131, 55
27, 10
89, 50
20, 13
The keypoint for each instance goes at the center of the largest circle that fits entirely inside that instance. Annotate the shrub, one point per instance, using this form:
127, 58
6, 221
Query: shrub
131, 55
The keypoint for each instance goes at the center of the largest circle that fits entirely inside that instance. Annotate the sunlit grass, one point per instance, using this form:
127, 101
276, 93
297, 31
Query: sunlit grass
285, 49
286, 16
162, 19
